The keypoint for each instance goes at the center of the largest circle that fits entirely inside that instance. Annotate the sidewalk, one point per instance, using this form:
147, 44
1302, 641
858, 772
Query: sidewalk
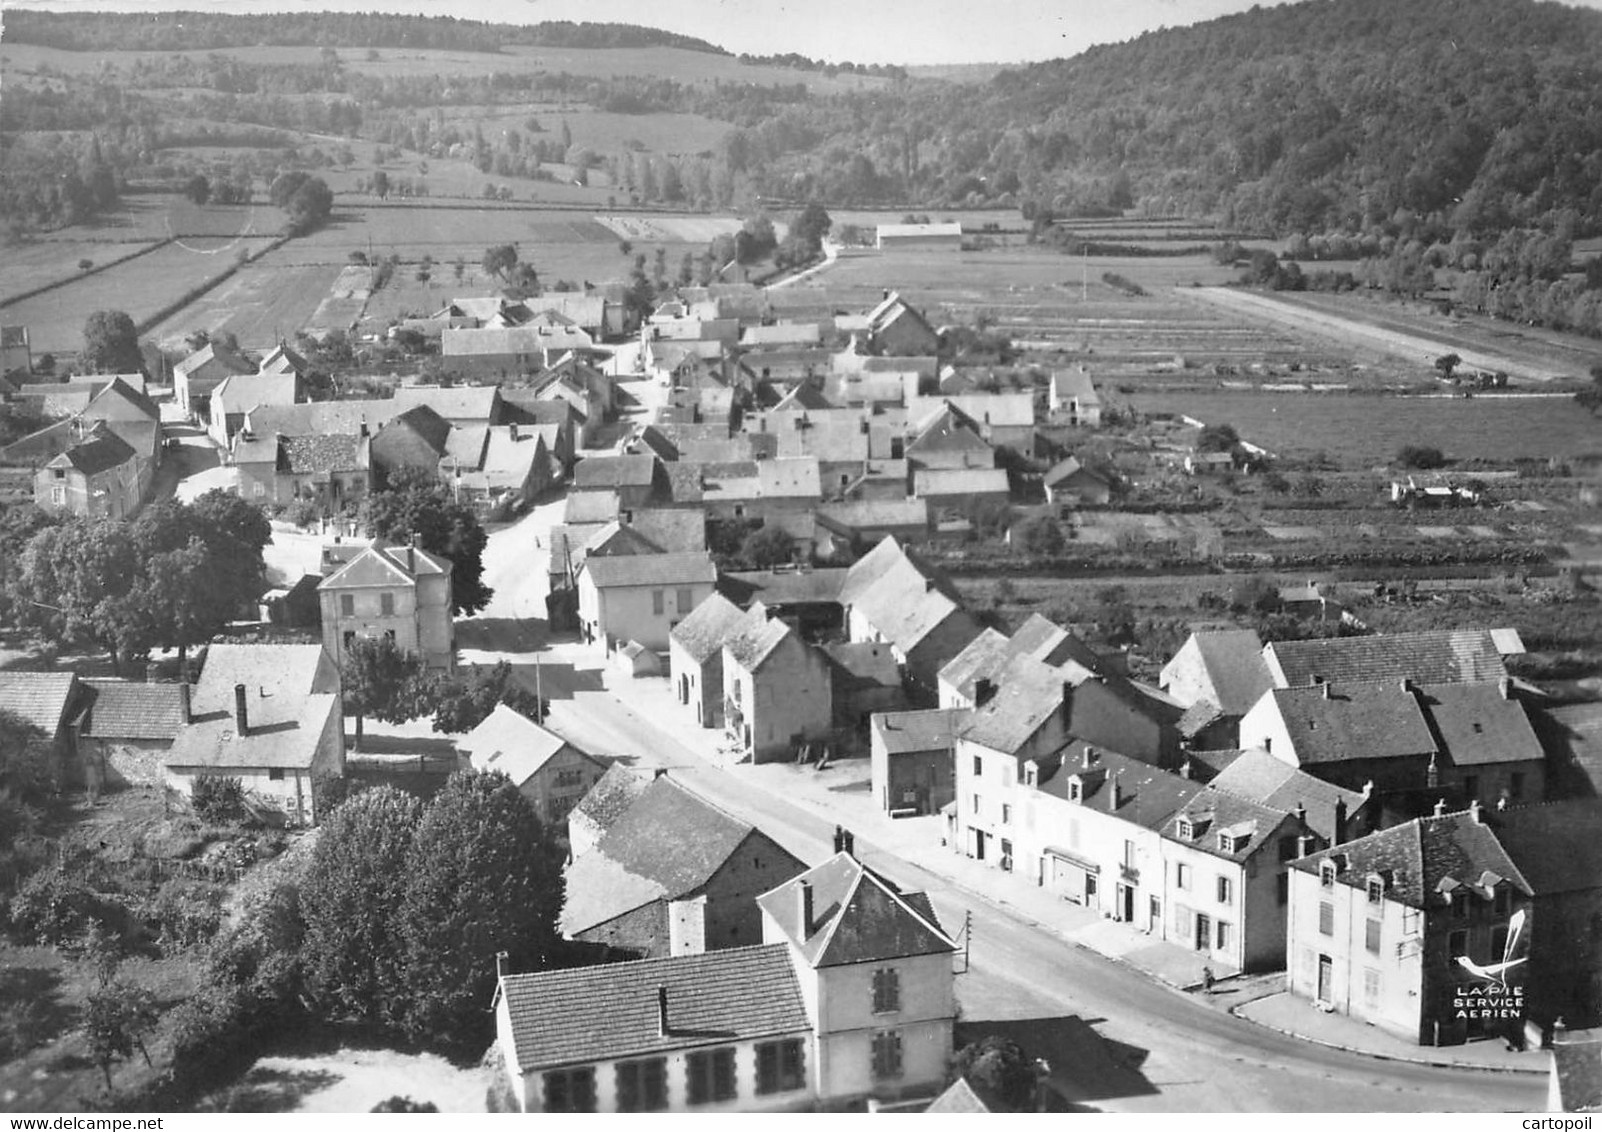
1299, 1018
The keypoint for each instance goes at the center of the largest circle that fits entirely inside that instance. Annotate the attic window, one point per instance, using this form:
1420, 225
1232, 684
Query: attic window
1376, 889
1076, 790
1231, 842
1187, 829
1326, 874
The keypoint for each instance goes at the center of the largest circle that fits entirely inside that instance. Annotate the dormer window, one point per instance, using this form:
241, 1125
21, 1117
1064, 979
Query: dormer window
1187, 829
1076, 789
1376, 889
1326, 874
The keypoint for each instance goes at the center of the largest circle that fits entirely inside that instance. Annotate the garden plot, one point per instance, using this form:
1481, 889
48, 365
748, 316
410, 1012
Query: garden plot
265, 301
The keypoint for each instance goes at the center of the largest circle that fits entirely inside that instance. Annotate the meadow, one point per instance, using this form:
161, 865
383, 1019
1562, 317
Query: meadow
141, 287
1364, 430
600, 130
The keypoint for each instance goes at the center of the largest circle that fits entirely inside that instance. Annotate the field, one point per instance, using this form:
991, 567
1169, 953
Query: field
689, 67
600, 130
264, 301
141, 287
1367, 430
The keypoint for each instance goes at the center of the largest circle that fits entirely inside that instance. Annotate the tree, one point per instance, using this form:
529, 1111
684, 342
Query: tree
499, 260
350, 897
117, 1016
1308, 485
771, 546
198, 189
811, 226
1040, 535
111, 343
482, 877
1447, 364
306, 199
415, 501
380, 184
381, 681
75, 583
1000, 1071
1217, 438
461, 704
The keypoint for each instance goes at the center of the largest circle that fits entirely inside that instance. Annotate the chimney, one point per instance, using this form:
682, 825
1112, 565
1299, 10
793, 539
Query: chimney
662, 1027
1116, 795
1440, 807
803, 907
1185, 769
984, 690
1268, 744
839, 838
1368, 788
1340, 821
1304, 845
1300, 812
1501, 801
1432, 773
240, 718
183, 702
1474, 812
850, 844
1089, 759
512, 431
417, 541
362, 430
502, 965
1326, 690
1505, 686
1407, 686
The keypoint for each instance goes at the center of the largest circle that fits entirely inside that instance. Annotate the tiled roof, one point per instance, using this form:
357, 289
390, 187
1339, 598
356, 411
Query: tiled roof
675, 531
858, 916
1198, 717
755, 638
456, 403
906, 602
291, 691
319, 418
1557, 846
1072, 383
709, 624
1047, 641
613, 793
1146, 796
945, 430
871, 514
124, 709
387, 566
651, 569
1010, 410
1233, 660
867, 663
431, 428
498, 341
787, 587
602, 472
1335, 722
1434, 657
226, 361
120, 389
305, 455
942, 482
982, 656
1577, 1070
101, 453
591, 507
1479, 724
591, 1014
510, 742
1028, 693
1424, 858
958, 1098
789, 478
40, 698
934, 729
1252, 822
1260, 777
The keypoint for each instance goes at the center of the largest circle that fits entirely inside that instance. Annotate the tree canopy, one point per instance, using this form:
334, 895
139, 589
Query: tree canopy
111, 343
1000, 1071
307, 200
415, 501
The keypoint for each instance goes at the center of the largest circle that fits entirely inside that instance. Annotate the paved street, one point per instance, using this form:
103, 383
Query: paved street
1176, 1052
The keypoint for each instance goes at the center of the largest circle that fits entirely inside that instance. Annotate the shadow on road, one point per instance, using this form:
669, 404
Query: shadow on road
1085, 1065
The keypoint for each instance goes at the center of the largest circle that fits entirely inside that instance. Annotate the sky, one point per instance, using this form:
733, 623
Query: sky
908, 32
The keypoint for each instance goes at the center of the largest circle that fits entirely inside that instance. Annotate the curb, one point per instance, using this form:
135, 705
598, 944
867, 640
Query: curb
1433, 1063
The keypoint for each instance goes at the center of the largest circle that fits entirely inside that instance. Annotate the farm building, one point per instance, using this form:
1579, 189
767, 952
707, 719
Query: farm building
893, 236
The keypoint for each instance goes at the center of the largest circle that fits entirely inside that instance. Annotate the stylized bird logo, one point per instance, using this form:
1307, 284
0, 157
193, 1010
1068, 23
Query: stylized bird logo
1496, 973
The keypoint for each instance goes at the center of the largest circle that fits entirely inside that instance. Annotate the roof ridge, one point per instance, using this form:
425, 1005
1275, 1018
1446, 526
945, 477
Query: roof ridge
845, 902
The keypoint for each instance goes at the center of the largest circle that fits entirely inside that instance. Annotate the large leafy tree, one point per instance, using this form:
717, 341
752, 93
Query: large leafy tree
500, 260
306, 199
462, 703
111, 343
381, 681
414, 501
350, 898
75, 583
483, 877
1000, 1071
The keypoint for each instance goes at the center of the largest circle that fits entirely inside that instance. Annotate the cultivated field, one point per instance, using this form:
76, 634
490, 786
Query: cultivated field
600, 130
264, 301
24, 266
141, 287
1367, 430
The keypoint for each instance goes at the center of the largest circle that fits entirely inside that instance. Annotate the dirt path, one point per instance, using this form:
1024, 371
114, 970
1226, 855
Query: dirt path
1419, 348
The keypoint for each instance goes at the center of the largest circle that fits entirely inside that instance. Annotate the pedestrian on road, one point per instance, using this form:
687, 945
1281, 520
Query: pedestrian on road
1207, 979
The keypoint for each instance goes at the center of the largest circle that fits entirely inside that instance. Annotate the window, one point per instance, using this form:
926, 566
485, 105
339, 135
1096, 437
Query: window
886, 990
347, 605
349, 638
1498, 944
657, 603
1006, 813
886, 1055
1326, 918
570, 1090
1326, 874
1371, 986
1129, 854
1371, 937
978, 767
1076, 790
1459, 905
1225, 931
389, 635
386, 604
976, 803
1226, 892
570, 777
1181, 875
684, 599
1501, 901
258, 489
1186, 830
1006, 855
780, 1066
1376, 890
711, 1075
642, 1085
275, 774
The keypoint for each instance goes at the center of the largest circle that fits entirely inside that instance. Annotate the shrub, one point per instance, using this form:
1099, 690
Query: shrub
404, 1104
218, 798
1420, 456
52, 908
183, 913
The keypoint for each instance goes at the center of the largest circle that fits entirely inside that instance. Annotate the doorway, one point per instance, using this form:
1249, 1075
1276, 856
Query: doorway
1326, 978
1204, 931
1126, 903
1155, 912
